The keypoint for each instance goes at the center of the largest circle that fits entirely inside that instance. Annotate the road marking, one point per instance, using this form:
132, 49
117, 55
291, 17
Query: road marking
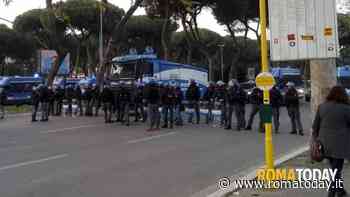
16, 148
250, 174
150, 138
69, 129
33, 162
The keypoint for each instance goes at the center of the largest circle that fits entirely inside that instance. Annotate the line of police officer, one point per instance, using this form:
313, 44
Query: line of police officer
167, 102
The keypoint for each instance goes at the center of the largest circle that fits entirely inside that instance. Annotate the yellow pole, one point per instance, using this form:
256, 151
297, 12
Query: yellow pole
265, 68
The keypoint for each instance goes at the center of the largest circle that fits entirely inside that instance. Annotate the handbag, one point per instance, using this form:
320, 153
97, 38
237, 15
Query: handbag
316, 150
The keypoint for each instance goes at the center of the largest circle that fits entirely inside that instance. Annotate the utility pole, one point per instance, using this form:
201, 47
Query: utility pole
265, 81
101, 36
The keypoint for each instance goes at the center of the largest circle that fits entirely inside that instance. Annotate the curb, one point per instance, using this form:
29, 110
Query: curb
251, 173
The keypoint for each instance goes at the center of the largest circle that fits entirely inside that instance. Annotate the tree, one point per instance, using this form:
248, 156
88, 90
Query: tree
48, 30
237, 16
84, 23
169, 11
10, 42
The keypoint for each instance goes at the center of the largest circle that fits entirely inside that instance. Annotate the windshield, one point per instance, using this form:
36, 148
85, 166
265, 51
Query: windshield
132, 70
296, 79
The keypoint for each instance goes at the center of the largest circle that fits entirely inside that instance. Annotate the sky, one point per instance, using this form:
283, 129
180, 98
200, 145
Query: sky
206, 19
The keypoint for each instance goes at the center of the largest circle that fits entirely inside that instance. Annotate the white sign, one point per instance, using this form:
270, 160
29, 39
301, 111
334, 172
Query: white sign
303, 29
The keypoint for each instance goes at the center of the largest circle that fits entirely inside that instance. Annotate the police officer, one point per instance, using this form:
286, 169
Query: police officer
232, 99
292, 104
51, 101
107, 99
168, 102
89, 101
139, 109
96, 100
44, 100
125, 101
193, 97
220, 101
59, 96
153, 100
35, 102
2, 103
256, 99
208, 98
69, 96
240, 107
276, 100
179, 107
79, 96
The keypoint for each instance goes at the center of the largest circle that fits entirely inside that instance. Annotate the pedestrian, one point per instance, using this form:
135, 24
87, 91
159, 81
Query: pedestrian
107, 99
276, 100
179, 107
193, 97
292, 104
331, 126
2, 103
125, 101
256, 100
44, 100
35, 102
209, 98
153, 100
168, 103
221, 100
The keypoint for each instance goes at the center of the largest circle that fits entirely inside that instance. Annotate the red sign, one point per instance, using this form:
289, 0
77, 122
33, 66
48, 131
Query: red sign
291, 37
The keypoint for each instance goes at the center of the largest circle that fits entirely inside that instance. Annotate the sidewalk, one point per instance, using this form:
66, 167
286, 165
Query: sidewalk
301, 161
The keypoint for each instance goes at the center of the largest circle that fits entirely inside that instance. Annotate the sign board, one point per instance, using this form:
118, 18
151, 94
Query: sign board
265, 81
303, 29
48, 57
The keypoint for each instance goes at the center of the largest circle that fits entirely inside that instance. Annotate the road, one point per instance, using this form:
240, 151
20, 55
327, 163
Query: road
72, 157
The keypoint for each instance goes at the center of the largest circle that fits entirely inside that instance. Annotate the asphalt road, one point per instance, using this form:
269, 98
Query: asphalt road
72, 157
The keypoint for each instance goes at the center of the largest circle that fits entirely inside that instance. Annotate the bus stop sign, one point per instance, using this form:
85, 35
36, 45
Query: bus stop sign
265, 81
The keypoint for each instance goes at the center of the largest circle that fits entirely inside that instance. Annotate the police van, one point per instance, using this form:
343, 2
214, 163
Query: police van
144, 68
18, 90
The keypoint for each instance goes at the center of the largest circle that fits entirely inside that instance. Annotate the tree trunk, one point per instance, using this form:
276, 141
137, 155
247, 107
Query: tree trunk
55, 67
323, 78
49, 4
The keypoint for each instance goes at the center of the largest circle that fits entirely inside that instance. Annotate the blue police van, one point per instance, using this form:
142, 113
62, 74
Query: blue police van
144, 68
18, 90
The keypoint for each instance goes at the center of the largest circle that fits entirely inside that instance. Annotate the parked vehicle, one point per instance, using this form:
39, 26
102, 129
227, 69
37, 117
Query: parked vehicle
18, 90
283, 75
143, 68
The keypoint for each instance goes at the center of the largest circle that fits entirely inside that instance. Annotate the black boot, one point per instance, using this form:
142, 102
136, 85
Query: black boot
293, 132
301, 133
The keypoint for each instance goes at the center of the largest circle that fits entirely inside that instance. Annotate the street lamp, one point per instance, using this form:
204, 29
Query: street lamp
222, 60
101, 35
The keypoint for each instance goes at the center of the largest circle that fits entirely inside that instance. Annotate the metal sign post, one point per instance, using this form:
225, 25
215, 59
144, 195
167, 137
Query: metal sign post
265, 81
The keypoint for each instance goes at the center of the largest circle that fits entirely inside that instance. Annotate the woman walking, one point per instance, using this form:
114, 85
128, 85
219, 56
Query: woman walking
332, 127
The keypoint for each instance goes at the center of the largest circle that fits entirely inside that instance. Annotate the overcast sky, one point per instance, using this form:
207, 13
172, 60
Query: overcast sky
206, 20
